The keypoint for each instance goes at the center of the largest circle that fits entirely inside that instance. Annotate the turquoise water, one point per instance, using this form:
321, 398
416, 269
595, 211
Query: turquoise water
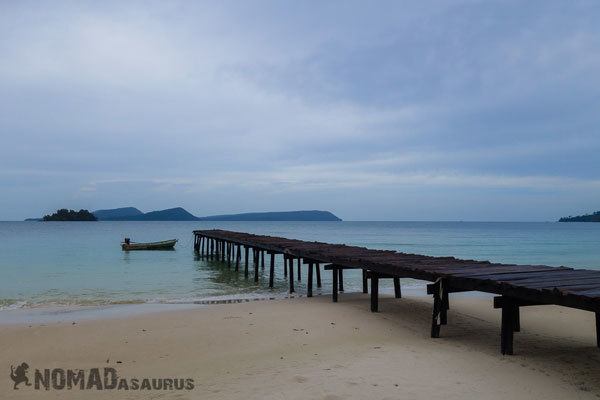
81, 263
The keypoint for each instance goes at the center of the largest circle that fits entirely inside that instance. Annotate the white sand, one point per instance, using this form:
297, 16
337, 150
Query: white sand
315, 349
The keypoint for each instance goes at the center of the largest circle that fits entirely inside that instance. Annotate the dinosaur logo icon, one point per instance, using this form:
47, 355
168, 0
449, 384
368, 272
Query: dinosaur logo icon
19, 375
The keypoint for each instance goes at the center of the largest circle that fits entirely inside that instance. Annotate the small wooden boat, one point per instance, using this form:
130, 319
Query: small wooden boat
164, 245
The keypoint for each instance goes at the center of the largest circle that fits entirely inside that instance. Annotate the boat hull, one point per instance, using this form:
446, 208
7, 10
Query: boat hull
164, 245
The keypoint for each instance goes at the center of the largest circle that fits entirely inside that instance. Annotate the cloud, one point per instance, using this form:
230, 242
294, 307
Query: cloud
192, 98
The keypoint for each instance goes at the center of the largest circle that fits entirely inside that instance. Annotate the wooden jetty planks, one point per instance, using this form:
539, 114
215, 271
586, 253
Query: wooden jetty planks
403, 264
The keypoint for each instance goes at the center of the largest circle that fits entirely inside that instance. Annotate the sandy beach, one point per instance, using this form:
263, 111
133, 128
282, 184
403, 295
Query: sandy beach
314, 349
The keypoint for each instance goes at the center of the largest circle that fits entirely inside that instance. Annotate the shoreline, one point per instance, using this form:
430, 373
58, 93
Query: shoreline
313, 348
52, 313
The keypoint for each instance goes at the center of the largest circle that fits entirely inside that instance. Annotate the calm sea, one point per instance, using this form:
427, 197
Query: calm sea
81, 263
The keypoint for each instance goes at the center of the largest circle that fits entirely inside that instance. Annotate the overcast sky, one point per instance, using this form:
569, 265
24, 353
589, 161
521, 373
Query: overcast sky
424, 110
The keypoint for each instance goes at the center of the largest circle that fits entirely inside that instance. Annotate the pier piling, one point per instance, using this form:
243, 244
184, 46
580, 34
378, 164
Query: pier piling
272, 271
318, 271
334, 286
374, 291
291, 271
309, 283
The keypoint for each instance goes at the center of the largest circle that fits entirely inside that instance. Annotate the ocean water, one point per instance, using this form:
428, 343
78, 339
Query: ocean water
81, 263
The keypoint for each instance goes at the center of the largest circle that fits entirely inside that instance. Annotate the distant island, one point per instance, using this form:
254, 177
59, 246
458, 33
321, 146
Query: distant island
313, 215
70, 215
133, 214
116, 213
180, 214
595, 217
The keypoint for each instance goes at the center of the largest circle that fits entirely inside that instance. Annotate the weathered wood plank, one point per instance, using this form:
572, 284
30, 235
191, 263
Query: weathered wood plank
558, 284
504, 273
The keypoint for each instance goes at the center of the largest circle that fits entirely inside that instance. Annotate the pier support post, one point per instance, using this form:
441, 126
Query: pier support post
439, 290
507, 326
229, 255
517, 318
272, 271
262, 261
222, 251
445, 305
309, 284
285, 266
318, 270
299, 268
246, 251
334, 288
197, 240
256, 255
341, 279
238, 256
511, 320
365, 281
291, 271
233, 254
597, 328
212, 248
397, 288
374, 290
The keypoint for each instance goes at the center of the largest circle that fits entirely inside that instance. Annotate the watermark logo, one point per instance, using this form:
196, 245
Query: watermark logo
106, 378
19, 375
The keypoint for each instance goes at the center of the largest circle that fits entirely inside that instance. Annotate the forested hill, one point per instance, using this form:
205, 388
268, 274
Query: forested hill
595, 217
70, 215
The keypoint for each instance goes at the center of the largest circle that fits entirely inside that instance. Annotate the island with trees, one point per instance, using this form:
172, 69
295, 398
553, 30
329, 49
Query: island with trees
70, 215
594, 217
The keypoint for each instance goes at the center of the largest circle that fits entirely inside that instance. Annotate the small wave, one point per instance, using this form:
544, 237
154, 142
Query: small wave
12, 304
76, 301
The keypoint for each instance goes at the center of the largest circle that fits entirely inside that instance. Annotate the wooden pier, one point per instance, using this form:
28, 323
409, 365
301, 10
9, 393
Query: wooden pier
516, 285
